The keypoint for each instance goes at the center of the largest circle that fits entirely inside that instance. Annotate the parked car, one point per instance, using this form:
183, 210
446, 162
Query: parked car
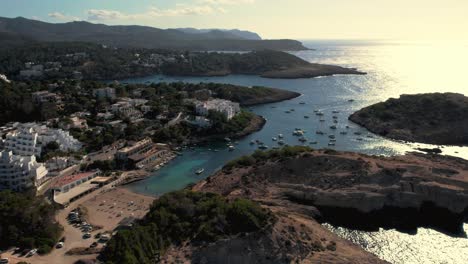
4, 261
59, 245
104, 238
93, 245
87, 235
31, 253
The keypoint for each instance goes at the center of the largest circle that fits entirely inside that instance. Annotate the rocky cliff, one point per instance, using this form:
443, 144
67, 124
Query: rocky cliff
356, 190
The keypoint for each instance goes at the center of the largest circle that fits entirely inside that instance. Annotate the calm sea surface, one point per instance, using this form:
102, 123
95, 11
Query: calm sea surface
393, 69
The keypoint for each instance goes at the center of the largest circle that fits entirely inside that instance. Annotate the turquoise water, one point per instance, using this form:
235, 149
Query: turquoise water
393, 69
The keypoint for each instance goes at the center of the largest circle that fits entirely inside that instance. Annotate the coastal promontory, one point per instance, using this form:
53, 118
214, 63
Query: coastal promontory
350, 189
264, 63
437, 118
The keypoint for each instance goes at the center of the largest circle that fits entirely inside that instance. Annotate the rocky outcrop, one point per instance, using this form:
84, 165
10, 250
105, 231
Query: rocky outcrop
437, 118
401, 192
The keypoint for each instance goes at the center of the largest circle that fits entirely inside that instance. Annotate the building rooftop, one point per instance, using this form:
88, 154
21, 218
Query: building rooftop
72, 178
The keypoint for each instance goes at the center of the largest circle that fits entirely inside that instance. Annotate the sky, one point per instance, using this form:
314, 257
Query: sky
412, 20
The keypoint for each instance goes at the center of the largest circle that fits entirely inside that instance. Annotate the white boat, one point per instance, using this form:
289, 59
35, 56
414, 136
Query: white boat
303, 139
298, 133
231, 148
200, 171
331, 144
280, 136
281, 142
252, 142
274, 139
319, 132
263, 147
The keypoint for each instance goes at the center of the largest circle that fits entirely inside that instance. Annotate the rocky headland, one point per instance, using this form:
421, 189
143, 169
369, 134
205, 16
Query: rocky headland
437, 118
352, 190
264, 63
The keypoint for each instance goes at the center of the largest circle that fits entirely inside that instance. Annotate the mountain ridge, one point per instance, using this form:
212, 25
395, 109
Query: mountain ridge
136, 36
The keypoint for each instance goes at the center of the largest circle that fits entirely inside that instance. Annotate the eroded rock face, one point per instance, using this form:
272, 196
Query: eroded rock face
433, 190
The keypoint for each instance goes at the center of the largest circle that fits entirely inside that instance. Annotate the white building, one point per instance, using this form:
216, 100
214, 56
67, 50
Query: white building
20, 172
226, 107
29, 139
104, 93
23, 142
59, 163
4, 78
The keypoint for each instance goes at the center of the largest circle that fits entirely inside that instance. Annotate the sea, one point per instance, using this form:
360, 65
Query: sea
393, 68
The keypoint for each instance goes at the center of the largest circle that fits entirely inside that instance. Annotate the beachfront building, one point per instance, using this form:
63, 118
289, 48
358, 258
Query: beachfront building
143, 158
103, 93
226, 107
18, 173
134, 148
28, 139
68, 182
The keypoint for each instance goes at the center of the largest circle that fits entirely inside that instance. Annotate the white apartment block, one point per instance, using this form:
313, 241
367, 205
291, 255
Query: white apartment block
226, 107
20, 172
29, 139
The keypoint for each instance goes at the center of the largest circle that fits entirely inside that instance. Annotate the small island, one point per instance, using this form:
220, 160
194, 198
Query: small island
436, 118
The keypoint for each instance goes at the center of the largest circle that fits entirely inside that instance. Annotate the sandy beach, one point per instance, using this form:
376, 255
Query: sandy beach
110, 208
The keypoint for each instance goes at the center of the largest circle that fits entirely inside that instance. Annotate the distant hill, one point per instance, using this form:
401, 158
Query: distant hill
134, 36
236, 33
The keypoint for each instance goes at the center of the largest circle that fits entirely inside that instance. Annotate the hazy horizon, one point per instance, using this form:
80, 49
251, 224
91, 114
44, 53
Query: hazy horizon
417, 20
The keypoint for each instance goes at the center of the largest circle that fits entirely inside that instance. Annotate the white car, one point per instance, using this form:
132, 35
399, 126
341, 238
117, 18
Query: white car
59, 245
31, 253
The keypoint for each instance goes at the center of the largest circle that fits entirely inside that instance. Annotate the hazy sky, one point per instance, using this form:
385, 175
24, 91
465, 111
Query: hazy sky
301, 19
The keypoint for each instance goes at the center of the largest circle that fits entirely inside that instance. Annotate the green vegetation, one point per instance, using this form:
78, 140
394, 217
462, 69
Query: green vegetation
429, 118
262, 156
16, 103
257, 62
27, 221
220, 127
184, 216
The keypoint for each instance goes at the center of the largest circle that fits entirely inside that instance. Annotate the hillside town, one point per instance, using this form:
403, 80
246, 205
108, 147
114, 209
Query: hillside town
87, 139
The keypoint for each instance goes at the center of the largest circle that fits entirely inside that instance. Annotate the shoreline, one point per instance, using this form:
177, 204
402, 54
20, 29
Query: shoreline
257, 123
